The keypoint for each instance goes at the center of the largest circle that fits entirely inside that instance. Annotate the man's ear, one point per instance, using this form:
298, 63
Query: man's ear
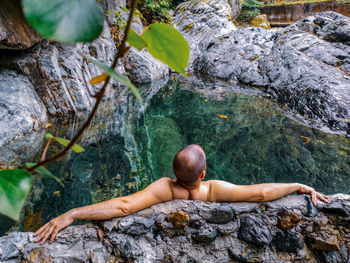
202, 176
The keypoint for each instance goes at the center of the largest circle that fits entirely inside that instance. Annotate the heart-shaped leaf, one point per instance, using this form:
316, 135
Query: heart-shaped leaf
67, 21
167, 44
135, 40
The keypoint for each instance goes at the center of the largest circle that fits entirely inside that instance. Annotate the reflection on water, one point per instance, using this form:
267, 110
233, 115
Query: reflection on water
252, 141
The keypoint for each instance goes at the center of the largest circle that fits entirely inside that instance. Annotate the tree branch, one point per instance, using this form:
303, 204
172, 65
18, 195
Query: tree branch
99, 95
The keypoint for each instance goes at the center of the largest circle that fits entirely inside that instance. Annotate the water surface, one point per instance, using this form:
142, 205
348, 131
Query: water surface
247, 140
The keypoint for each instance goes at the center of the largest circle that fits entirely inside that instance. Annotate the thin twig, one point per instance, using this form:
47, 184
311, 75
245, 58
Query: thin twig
99, 95
43, 156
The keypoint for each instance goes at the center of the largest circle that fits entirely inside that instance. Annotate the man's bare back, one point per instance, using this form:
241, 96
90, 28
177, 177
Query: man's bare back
190, 170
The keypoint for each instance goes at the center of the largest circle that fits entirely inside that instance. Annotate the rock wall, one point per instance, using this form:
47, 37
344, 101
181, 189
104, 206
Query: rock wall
294, 12
48, 81
287, 230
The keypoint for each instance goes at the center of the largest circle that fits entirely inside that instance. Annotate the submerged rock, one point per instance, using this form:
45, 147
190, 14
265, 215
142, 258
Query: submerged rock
149, 240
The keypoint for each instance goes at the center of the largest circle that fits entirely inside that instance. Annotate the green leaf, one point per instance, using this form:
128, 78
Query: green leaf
49, 136
14, 187
41, 170
167, 44
67, 21
135, 40
77, 148
111, 72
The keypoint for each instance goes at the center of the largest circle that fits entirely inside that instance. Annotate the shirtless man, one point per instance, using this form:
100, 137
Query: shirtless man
190, 168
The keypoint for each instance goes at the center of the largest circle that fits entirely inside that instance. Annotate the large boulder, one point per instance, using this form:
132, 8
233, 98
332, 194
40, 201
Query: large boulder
200, 21
15, 33
22, 118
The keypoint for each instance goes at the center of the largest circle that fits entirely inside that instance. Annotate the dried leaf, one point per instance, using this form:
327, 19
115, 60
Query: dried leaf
98, 79
222, 116
306, 139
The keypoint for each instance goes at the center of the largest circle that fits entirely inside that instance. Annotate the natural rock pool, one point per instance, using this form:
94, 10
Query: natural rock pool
247, 140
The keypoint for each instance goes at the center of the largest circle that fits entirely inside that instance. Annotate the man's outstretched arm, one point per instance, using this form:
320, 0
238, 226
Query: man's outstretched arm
222, 191
158, 192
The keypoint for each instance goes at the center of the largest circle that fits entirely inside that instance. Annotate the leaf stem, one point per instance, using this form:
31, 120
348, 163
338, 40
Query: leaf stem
45, 149
121, 51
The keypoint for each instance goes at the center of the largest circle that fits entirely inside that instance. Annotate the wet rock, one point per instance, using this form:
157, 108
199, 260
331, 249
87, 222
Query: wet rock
286, 241
336, 208
15, 33
137, 238
221, 215
335, 256
323, 241
137, 225
311, 209
179, 219
206, 236
255, 231
288, 220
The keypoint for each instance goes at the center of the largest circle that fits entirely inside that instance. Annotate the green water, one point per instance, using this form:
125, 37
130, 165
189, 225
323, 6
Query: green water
252, 142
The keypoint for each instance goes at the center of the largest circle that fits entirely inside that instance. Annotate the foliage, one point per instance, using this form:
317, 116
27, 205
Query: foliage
158, 11
14, 187
289, 2
250, 9
111, 72
165, 43
155, 11
66, 21
76, 148
71, 21
119, 21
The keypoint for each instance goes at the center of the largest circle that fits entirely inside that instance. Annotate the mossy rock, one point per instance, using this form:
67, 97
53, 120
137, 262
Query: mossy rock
260, 21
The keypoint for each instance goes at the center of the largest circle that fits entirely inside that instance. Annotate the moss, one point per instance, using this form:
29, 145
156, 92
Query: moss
303, 2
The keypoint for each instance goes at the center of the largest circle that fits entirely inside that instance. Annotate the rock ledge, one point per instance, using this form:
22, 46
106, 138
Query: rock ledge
286, 230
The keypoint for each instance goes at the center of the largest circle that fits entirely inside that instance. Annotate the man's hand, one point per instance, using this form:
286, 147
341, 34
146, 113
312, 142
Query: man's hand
304, 189
53, 227
158, 192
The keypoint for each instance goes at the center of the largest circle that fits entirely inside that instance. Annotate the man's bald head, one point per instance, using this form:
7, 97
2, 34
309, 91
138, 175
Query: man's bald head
189, 163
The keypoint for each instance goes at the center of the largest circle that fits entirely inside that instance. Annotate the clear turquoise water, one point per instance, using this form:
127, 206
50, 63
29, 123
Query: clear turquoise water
252, 142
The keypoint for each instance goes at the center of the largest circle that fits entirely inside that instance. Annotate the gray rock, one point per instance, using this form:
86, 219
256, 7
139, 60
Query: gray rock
146, 237
22, 118
221, 215
206, 236
286, 241
142, 68
200, 21
304, 66
255, 231
336, 208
